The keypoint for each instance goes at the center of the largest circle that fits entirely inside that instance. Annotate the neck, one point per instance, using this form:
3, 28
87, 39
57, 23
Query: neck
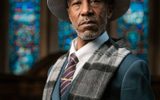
81, 43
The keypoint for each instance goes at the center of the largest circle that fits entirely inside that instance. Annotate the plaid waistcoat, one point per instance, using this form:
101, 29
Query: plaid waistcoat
95, 75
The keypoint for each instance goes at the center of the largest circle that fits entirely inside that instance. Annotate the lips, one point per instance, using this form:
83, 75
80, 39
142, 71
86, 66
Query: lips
87, 23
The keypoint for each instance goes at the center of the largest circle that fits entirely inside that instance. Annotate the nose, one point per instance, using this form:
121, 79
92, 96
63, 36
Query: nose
86, 9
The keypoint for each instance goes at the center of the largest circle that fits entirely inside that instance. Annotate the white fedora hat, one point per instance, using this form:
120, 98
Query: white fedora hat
59, 8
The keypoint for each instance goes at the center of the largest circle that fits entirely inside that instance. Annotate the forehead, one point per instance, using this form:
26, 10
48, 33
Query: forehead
83, 0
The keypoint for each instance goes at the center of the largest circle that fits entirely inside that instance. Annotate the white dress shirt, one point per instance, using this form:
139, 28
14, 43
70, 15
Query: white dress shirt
85, 52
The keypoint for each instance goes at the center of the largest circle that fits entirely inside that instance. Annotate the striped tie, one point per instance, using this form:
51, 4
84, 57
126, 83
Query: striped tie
68, 73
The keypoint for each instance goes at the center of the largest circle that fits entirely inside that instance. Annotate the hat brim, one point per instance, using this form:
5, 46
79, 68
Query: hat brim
58, 8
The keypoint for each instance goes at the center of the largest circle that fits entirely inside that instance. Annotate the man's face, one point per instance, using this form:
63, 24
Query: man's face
88, 17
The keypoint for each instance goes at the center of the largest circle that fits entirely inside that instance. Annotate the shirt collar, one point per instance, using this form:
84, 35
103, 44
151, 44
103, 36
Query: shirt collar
89, 48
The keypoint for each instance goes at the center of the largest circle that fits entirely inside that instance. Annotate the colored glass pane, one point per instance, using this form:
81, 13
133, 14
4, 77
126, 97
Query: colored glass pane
134, 27
65, 35
24, 28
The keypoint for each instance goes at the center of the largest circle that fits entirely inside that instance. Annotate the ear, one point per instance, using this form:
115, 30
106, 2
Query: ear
109, 11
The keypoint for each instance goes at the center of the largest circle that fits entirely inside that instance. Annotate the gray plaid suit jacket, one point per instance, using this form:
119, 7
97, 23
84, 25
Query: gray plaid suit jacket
131, 81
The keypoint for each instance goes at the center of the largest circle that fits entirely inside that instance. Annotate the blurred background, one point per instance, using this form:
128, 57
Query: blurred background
31, 39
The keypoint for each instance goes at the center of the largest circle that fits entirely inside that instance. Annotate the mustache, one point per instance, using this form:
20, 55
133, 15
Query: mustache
86, 20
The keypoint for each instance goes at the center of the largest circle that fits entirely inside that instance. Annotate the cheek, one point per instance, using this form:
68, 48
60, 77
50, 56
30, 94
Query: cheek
102, 16
74, 23
73, 18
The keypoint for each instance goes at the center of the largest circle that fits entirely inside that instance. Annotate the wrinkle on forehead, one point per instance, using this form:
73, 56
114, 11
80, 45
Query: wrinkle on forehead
106, 1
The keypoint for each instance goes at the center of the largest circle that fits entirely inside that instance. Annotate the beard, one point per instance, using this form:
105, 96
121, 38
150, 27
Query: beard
90, 32
88, 35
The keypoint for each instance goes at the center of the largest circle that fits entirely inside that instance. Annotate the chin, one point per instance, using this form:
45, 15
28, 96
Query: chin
89, 35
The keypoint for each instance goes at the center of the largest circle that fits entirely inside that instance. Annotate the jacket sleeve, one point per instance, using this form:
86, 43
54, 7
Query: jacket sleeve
136, 82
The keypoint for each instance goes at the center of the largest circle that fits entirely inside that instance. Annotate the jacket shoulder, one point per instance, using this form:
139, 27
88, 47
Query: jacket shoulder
131, 63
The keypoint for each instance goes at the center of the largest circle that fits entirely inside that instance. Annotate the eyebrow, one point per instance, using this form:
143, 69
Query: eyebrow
72, 0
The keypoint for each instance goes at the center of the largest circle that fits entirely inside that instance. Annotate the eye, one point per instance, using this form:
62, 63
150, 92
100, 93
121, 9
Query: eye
93, 2
76, 3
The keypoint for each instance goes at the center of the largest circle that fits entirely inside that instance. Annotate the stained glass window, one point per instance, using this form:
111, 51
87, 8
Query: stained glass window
24, 28
134, 26
65, 34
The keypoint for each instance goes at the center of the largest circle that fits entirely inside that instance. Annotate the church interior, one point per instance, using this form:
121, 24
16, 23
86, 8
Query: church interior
31, 40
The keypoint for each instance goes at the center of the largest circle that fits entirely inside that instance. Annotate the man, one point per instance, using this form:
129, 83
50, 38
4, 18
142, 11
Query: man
96, 67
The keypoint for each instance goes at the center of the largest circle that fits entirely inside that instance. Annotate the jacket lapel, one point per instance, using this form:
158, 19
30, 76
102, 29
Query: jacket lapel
95, 75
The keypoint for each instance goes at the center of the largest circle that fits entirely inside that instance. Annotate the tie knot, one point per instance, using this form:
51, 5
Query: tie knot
73, 58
